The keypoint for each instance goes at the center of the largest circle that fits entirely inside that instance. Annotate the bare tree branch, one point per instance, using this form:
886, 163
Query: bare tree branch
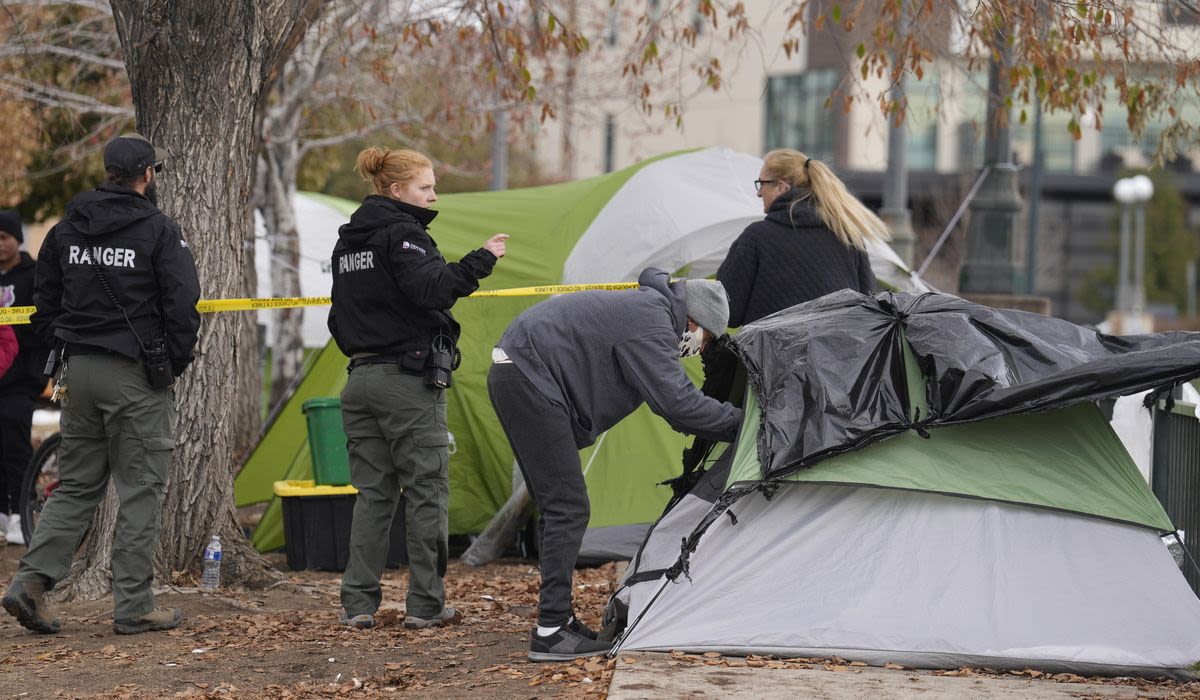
94, 5
310, 145
64, 52
61, 99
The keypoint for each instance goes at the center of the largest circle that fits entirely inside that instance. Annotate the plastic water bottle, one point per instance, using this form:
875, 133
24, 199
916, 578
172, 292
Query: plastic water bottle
211, 580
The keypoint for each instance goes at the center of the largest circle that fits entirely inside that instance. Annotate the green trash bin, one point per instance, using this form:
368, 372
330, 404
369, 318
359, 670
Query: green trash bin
327, 441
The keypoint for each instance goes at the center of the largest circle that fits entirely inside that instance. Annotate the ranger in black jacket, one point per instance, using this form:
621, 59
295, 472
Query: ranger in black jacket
392, 289
144, 260
392, 293
113, 277
23, 381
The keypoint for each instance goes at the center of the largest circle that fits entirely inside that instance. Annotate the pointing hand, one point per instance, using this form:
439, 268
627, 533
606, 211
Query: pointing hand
495, 244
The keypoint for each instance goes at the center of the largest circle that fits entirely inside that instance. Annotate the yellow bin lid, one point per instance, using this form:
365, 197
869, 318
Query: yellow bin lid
308, 487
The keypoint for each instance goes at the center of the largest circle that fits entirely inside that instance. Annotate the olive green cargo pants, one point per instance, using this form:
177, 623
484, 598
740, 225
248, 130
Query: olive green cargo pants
397, 439
112, 424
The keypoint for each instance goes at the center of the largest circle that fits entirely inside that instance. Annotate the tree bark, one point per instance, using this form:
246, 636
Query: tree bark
199, 74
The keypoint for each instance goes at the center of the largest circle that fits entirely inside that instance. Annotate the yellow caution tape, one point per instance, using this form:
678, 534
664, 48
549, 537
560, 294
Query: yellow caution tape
555, 289
16, 315
13, 315
209, 306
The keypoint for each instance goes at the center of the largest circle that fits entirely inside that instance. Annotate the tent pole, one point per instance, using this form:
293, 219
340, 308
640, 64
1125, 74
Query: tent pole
503, 525
616, 648
487, 546
595, 452
962, 208
1186, 553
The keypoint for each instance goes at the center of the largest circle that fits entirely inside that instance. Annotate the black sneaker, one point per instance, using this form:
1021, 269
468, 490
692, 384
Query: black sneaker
581, 629
564, 645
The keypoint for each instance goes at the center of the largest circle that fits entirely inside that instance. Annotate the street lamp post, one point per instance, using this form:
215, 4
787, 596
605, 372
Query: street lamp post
895, 211
1131, 194
1144, 190
989, 267
1124, 196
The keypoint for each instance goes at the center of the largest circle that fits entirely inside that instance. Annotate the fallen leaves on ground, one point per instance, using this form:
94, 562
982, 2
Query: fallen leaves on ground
287, 644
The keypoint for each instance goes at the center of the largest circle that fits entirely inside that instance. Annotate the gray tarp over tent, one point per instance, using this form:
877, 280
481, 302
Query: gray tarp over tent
924, 480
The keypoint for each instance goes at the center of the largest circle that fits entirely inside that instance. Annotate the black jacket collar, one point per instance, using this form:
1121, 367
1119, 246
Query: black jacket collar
423, 216
802, 215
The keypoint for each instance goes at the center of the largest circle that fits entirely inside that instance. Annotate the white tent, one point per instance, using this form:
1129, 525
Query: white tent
686, 211
318, 219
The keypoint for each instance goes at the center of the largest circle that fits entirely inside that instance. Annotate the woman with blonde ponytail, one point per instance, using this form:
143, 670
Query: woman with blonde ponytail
812, 242
392, 293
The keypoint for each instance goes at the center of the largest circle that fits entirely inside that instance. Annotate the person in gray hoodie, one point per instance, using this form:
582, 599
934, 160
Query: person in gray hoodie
569, 369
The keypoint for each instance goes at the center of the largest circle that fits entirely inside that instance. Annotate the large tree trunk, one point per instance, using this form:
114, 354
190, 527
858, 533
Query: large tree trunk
199, 72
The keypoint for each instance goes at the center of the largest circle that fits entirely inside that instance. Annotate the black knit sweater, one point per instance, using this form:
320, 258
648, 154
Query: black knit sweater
786, 259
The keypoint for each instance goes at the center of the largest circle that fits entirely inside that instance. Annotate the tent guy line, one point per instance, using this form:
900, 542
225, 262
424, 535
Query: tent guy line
20, 314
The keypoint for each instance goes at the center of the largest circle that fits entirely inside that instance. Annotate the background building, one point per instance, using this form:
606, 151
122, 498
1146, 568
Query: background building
770, 100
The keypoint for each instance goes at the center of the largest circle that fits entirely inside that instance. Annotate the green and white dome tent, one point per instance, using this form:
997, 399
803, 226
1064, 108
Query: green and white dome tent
684, 212
675, 211
925, 481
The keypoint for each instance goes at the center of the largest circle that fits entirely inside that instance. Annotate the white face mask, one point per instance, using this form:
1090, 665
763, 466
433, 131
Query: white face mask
690, 344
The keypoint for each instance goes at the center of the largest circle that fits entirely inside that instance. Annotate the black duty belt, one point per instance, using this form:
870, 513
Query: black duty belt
82, 349
375, 360
382, 360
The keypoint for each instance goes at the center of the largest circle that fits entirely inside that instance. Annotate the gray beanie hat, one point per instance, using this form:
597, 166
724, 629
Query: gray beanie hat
707, 305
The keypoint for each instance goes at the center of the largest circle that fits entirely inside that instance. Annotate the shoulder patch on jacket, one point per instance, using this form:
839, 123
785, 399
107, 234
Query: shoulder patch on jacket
409, 246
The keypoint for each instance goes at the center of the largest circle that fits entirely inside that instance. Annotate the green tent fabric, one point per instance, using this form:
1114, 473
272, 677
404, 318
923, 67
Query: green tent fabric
1067, 459
545, 223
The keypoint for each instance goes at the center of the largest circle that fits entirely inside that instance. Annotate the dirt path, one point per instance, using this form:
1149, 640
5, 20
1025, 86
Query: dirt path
286, 643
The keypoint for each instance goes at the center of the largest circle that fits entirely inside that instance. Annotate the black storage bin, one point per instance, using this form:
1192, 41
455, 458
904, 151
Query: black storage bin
316, 527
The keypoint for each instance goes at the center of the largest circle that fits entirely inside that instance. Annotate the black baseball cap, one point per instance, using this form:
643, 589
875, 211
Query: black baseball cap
130, 154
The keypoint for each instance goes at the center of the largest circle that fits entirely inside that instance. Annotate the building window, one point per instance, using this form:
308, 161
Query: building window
796, 113
1181, 13
696, 19
1116, 138
610, 143
1058, 145
921, 123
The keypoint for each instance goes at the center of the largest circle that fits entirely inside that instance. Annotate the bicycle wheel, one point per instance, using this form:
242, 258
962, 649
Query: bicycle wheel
41, 478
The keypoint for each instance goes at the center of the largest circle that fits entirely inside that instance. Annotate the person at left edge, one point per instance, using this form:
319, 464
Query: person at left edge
112, 247
22, 382
392, 293
8, 342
